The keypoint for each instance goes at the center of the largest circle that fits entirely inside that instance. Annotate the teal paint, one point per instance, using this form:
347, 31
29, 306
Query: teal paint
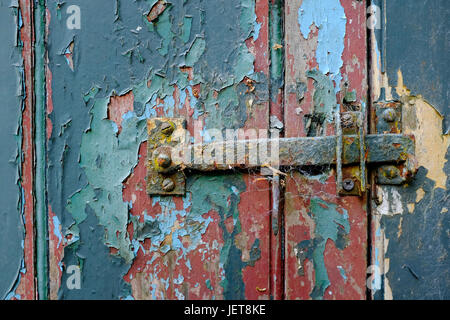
163, 28
276, 33
114, 158
98, 268
186, 29
195, 52
89, 160
332, 225
208, 284
219, 196
329, 17
247, 18
40, 138
12, 201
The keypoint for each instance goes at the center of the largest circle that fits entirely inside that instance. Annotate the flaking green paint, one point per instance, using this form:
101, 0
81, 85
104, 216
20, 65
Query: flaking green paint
107, 161
276, 53
186, 29
195, 52
107, 158
163, 28
222, 195
332, 225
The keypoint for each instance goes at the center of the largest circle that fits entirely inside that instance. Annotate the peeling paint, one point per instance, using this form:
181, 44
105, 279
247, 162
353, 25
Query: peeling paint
332, 225
324, 104
99, 148
425, 123
411, 249
330, 19
12, 203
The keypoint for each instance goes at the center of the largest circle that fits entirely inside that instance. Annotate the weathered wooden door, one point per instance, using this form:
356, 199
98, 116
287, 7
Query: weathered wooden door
326, 72
409, 232
111, 67
92, 77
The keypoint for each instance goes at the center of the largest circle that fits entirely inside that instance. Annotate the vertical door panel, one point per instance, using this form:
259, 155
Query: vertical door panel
409, 230
112, 66
12, 233
326, 234
16, 156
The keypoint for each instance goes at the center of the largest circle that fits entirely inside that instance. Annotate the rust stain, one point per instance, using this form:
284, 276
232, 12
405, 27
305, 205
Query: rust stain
156, 10
118, 106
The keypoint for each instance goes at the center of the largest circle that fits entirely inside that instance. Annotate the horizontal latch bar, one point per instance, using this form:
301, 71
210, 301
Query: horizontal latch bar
292, 152
169, 154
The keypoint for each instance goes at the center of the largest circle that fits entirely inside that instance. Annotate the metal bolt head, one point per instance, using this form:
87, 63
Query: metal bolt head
391, 172
167, 128
347, 120
168, 185
389, 115
164, 160
348, 185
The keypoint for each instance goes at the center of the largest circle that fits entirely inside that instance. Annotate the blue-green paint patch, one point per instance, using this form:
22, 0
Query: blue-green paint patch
90, 160
12, 201
332, 225
330, 19
208, 284
342, 272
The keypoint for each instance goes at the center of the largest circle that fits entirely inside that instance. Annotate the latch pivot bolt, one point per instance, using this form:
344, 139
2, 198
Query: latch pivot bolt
389, 115
164, 160
391, 172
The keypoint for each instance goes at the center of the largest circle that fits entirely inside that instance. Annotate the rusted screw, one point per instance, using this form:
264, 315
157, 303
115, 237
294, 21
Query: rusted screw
167, 128
348, 184
389, 115
164, 160
391, 172
347, 120
168, 185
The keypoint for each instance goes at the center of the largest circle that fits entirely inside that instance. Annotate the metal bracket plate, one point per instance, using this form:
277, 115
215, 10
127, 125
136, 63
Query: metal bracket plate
388, 117
388, 120
164, 177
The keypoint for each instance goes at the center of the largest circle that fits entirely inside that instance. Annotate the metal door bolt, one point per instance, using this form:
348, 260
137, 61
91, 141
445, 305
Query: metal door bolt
348, 184
164, 160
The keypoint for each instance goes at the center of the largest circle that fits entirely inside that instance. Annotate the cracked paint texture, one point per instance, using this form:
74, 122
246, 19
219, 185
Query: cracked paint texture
329, 17
329, 225
151, 59
12, 201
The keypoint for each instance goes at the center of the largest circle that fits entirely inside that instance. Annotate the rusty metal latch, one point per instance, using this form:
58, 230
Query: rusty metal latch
170, 156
